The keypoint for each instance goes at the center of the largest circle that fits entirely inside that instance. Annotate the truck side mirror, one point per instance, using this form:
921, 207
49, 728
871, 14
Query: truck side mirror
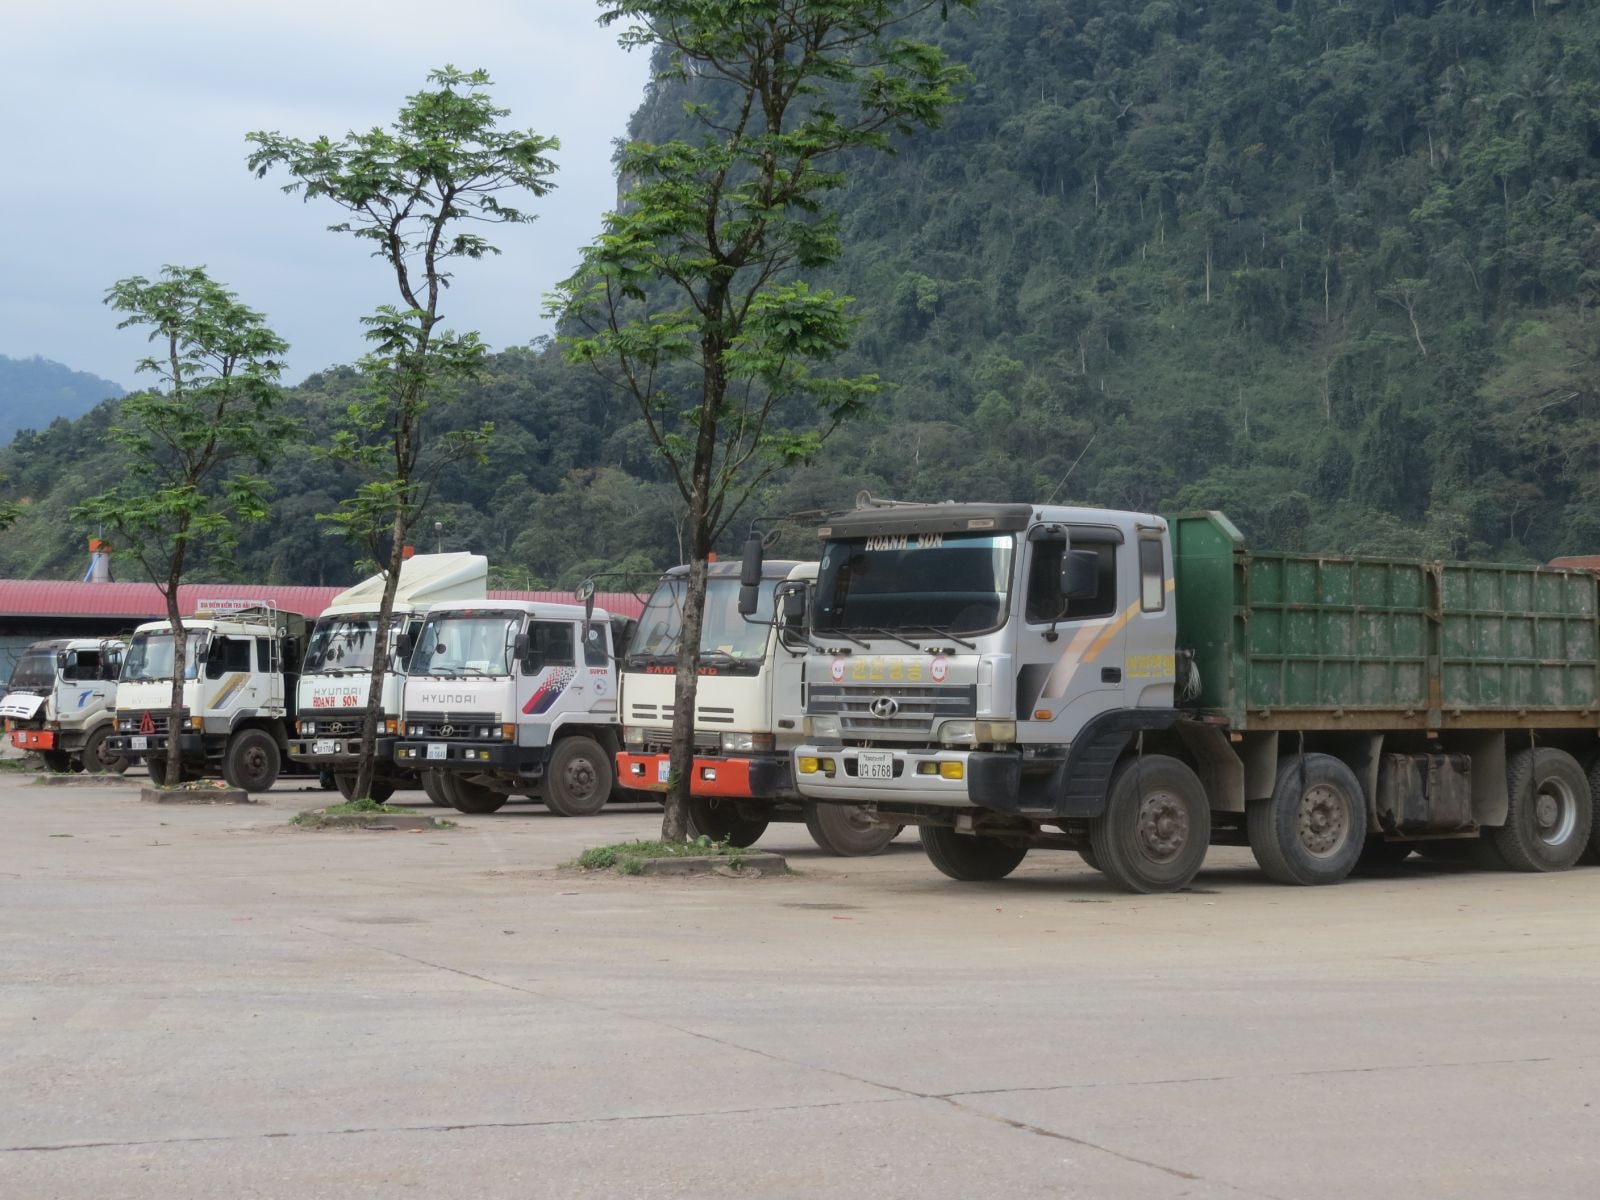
1080, 575
794, 608
750, 577
585, 594
403, 645
520, 646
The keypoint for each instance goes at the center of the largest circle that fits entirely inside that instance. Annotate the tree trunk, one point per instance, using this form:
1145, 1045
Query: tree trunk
366, 767
175, 708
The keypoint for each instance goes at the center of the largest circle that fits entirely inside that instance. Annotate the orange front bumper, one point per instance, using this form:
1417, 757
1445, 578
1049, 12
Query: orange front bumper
762, 777
33, 739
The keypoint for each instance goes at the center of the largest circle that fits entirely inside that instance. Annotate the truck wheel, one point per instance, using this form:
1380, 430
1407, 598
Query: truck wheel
96, 757
1086, 852
721, 821
1550, 811
432, 785
970, 858
1154, 832
847, 830
379, 791
578, 781
58, 761
470, 796
1313, 828
1593, 854
252, 760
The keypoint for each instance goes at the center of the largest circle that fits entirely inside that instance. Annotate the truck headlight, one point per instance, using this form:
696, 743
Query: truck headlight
634, 735
307, 728
958, 733
995, 732
822, 727
747, 743
196, 722
390, 726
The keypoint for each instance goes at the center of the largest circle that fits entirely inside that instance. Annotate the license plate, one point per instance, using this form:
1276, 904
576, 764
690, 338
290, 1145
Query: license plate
139, 743
437, 750
324, 746
663, 770
874, 765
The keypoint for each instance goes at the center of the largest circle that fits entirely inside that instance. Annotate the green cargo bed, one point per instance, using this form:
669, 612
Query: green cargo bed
1300, 641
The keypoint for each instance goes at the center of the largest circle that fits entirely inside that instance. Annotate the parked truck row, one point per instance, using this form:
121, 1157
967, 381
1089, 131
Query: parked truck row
1005, 677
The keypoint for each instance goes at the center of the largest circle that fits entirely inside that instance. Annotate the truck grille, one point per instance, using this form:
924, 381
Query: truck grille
917, 709
134, 722
330, 726
446, 725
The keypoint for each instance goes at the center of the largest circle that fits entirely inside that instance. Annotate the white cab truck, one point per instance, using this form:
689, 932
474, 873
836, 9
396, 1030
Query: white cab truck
514, 698
61, 702
239, 678
1133, 687
748, 710
337, 669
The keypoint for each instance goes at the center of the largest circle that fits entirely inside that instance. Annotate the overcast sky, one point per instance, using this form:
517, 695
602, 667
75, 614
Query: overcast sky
122, 128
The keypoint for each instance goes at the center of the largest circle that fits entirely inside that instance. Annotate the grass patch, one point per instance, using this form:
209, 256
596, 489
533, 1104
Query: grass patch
628, 858
31, 764
352, 808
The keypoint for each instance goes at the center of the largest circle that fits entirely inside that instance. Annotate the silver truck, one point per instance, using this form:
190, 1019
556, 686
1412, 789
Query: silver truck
61, 701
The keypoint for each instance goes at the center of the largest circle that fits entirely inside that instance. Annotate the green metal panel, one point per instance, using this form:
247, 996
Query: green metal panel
1427, 641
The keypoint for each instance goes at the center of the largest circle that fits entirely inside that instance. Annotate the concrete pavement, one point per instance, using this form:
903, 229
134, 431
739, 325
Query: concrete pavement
205, 1002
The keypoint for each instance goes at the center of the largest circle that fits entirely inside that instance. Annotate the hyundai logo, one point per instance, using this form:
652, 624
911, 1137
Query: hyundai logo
885, 707
446, 730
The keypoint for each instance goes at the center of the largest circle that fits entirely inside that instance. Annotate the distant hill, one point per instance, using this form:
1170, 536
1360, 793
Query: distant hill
35, 391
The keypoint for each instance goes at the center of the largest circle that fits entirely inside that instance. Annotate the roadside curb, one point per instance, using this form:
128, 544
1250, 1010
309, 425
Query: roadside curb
375, 821
762, 862
180, 795
101, 780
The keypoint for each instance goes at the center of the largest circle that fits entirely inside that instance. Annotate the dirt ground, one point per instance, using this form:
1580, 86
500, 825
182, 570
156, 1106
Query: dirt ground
202, 1001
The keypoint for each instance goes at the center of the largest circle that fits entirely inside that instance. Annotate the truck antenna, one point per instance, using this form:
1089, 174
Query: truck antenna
1074, 466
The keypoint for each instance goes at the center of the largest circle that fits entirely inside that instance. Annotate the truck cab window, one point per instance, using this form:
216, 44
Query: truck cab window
554, 642
594, 646
1044, 584
263, 654
1152, 575
227, 655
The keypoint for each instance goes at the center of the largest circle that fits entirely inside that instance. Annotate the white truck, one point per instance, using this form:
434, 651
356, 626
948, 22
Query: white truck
514, 698
337, 669
239, 677
748, 710
61, 701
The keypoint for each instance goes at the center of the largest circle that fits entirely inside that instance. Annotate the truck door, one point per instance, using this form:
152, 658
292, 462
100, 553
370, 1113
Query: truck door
552, 688
1063, 684
600, 674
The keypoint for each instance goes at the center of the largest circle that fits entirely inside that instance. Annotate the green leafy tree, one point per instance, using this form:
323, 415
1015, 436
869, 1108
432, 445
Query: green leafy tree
416, 191
690, 300
189, 443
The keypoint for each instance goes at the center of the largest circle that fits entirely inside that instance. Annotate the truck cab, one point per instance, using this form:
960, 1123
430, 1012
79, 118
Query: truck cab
748, 709
240, 670
61, 700
337, 671
514, 697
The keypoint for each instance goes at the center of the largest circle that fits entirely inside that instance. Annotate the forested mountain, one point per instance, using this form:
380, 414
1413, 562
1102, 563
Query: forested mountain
1329, 265
35, 391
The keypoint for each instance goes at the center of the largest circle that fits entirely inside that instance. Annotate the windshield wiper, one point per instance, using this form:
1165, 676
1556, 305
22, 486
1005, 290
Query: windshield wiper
888, 633
938, 632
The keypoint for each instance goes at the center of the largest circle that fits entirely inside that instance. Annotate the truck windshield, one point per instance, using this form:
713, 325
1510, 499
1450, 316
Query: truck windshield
34, 672
954, 583
342, 643
150, 656
467, 644
724, 631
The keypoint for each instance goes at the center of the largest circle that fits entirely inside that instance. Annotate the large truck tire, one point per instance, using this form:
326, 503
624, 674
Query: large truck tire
1086, 852
95, 757
252, 760
433, 787
1550, 811
1314, 827
469, 796
58, 761
1156, 828
379, 791
577, 783
1593, 853
969, 858
721, 821
847, 830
